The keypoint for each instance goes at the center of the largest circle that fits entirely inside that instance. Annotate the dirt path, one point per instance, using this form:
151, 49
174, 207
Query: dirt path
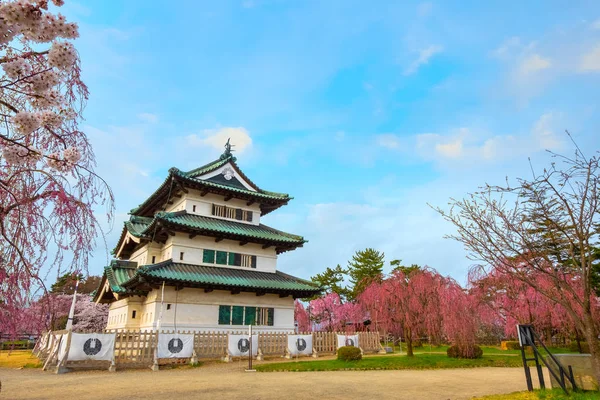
229, 381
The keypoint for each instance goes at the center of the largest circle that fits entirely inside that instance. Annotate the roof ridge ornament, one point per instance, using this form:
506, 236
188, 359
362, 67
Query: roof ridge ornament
228, 149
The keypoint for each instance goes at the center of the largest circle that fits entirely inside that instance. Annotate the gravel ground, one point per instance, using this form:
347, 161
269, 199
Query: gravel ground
229, 381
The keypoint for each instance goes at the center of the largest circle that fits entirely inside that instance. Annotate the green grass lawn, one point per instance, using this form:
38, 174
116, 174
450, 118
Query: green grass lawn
425, 358
420, 361
554, 394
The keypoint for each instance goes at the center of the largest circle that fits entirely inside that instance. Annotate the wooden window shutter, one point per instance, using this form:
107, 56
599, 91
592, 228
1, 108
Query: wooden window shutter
237, 315
238, 214
237, 259
250, 317
224, 315
208, 256
249, 216
270, 316
231, 260
253, 262
222, 257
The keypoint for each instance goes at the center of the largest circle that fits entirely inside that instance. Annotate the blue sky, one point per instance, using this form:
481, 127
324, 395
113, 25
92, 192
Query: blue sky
363, 111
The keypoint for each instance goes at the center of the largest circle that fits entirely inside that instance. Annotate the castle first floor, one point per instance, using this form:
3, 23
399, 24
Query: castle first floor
199, 309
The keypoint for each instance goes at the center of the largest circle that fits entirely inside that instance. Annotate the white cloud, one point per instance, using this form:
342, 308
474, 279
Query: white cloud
433, 146
453, 149
534, 63
424, 56
216, 138
463, 146
545, 132
424, 9
149, 118
507, 47
591, 60
389, 141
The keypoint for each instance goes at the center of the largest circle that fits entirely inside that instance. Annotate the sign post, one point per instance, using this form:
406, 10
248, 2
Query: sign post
250, 350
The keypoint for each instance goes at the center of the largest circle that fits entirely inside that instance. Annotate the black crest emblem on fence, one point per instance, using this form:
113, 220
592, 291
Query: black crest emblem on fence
243, 345
91, 347
301, 344
349, 342
175, 345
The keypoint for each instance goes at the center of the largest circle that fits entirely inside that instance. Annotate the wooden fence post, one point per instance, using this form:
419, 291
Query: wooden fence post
60, 367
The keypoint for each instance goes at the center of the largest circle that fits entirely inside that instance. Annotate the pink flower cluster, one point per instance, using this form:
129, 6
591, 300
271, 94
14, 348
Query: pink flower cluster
43, 81
27, 18
62, 55
26, 122
50, 119
18, 155
65, 161
17, 68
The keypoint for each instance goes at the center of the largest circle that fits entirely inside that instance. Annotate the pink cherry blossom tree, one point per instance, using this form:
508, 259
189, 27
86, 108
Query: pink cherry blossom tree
48, 188
301, 317
327, 313
514, 302
406, 304
51, 312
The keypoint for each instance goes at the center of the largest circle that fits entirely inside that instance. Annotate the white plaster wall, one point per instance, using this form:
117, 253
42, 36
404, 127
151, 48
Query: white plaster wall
193, 309
120, 313
266, 259
204, 206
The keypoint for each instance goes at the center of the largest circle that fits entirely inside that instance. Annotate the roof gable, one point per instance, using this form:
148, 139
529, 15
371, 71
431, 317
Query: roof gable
229, 175
222, 177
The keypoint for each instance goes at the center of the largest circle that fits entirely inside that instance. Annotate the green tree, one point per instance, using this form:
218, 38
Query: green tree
365, 267
331, 280
406, 270
65, 284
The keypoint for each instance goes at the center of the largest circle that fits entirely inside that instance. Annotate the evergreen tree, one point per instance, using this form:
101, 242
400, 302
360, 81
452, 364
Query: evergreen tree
331, 280
365, 267
65, 284
406, 270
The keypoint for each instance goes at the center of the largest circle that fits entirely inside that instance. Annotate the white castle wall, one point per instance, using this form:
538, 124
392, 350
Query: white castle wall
193, 309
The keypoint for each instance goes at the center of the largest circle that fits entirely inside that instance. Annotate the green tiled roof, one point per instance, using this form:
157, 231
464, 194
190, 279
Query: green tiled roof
211, 166
125, 277
119, 272
260, 193
268, 200
144, 227
222, 277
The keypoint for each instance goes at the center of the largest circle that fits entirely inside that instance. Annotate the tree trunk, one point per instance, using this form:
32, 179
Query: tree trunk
578, 340
409, 343
591, 334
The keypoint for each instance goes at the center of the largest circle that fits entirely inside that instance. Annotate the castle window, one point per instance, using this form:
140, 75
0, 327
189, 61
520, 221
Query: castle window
153, 259
193, 208
168, 306
208, 256
180, 255
231, 213
222, 257
228, 258
133, 314
240, 315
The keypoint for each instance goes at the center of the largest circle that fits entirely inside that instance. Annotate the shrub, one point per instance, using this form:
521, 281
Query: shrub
349, 353
468, 351
512, 345
585, 348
